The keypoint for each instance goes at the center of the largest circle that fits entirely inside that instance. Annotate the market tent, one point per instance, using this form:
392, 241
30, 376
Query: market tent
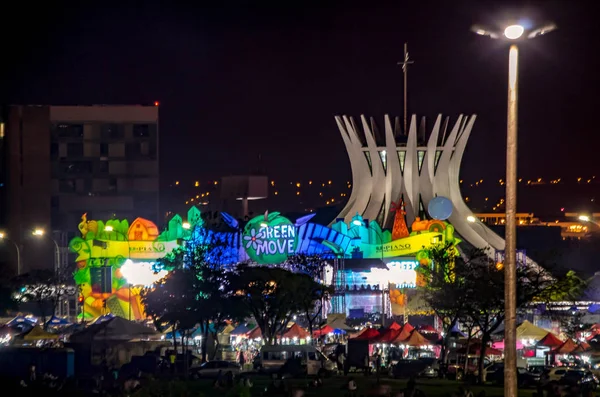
21, 323
529, 331
395, 326
388, 335
426, 328
227, 329
58, 322
338, 323
454, 332
115, 329
101, 319
500, 345
21, 320
241, 329
37, 333
295, 331
404, 333
367, 334
416, 340
475, 349
550, 340
581, 347
567, 347
255, 333
326, 329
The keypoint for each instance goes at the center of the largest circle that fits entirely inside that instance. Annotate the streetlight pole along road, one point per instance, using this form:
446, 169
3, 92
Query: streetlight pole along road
4, 238
511, 33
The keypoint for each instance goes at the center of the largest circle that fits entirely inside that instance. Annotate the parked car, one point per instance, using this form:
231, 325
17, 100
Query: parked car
580, 377
211, 369
273, 358
423, 367
555, 374
525, 378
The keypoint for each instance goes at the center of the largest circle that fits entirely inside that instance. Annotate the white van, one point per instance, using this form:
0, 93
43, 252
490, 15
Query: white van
272, 358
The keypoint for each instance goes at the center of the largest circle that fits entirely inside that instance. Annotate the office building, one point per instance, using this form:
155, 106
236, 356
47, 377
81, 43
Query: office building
64, 161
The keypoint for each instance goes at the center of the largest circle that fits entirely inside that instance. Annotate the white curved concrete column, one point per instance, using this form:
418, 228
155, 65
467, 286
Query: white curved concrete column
375, 186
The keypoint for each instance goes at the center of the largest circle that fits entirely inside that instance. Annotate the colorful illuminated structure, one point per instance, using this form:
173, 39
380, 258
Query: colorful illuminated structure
115, 259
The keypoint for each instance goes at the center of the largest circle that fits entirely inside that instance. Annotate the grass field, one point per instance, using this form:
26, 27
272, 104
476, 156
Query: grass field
332, 387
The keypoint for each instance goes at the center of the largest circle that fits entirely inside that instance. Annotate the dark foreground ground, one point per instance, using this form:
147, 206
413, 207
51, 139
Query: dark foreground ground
332, 387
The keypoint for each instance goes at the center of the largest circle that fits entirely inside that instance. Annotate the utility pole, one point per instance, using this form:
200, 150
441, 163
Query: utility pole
405, 64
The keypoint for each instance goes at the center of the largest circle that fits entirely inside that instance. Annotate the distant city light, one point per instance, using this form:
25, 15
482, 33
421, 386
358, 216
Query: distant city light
38, 232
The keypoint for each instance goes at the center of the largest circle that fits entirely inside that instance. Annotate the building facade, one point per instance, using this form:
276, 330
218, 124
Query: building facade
63, 161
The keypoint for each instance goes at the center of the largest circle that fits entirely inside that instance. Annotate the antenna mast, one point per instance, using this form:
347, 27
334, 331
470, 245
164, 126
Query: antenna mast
405, 64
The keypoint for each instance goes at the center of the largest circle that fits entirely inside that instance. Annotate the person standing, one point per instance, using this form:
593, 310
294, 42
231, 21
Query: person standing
367, 364
172, 361
242, 359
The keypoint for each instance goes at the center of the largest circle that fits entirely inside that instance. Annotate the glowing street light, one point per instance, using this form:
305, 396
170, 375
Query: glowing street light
514, 32
588, 219
38, 232
186, 225
511, 33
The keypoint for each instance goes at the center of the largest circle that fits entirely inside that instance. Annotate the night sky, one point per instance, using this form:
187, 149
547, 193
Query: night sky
245, 79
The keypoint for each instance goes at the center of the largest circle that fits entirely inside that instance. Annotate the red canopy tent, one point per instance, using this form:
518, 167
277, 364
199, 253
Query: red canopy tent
388, 335
255, 333
581, 347
476, 350
367, 334
565, 348
550, 340
395, 326
404, 333
323, 331
426, 328
296, 331
416, 340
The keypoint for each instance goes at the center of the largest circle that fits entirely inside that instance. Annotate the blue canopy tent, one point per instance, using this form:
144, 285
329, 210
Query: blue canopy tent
104, 318
457, 332
22, 323
241, 329
58, 322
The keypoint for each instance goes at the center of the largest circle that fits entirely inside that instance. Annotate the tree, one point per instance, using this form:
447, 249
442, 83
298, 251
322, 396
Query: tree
311, 299
273, 295
168, 302
44, 287
316, 293
445, 288
195, 292
470, 288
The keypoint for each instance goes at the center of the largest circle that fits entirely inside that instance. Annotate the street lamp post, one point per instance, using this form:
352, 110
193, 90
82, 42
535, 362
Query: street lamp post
40, 233
4, 238
511, 33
